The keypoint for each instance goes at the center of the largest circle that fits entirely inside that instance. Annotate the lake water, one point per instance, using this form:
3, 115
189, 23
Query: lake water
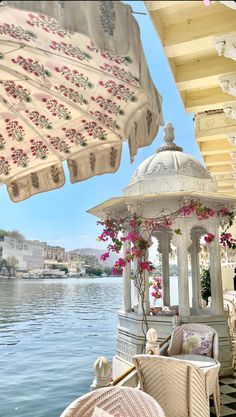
51, 332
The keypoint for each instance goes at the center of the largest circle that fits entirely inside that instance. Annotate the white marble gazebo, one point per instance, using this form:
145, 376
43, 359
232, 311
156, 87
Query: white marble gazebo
166, 181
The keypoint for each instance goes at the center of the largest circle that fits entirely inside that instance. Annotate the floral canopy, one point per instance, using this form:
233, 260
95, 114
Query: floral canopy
73, 84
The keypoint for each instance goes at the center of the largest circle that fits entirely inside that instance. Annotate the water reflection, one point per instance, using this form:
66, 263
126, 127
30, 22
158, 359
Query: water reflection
51, 331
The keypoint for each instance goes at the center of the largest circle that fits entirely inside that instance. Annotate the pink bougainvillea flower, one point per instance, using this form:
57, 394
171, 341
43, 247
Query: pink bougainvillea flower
146, 266
156, 287
104, 256
224, 211
209, 237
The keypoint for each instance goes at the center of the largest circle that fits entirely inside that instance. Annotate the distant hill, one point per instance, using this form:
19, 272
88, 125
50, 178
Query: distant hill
97, 253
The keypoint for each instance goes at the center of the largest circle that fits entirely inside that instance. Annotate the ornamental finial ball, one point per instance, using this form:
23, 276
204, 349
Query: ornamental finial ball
168, 133
101, 367
151, 336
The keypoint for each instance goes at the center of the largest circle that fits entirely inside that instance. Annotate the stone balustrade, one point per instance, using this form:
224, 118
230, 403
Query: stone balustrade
102, 367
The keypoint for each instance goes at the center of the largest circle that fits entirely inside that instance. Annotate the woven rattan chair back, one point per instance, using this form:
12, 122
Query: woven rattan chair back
118, 401
179, 387
176, 341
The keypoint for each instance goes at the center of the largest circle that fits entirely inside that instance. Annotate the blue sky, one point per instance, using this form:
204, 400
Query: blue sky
59, 217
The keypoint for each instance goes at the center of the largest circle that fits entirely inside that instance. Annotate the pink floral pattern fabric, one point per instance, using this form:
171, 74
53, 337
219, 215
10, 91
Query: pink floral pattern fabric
62, 97
195, 343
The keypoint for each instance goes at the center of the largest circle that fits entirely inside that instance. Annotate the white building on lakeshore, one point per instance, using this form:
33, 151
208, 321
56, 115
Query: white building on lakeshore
29, 253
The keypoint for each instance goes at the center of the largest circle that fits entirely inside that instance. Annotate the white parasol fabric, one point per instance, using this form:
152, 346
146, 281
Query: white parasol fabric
74, 83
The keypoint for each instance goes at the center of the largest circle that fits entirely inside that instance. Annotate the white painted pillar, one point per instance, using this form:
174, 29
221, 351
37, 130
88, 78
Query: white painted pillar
197, 299
135, 290
146, 297
144, 285
164, 248
140, 307
182, 257
126, 280
217, 306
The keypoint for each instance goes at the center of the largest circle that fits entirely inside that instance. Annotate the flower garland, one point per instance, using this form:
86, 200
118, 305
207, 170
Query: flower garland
139, 227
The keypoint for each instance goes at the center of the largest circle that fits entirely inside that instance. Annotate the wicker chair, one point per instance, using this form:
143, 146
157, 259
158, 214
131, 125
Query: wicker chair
176, 341
118, 401
181, 388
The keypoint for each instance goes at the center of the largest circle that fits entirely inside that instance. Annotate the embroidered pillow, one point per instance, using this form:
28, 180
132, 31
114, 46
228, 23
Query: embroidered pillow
98, 412
195, 343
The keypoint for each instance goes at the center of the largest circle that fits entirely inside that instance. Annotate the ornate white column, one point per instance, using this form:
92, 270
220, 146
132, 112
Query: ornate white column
143, 284
182, 259
164, 248
126, 280
135, 299
146, 296
195, 267
217, 306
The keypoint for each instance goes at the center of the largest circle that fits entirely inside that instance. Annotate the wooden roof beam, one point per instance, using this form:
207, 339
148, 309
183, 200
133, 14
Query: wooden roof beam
159, 5
202, 73
221, 170
217, 160
197, 101
222, 146
201, 139
226, 183
196, 34
226, 188
217, 151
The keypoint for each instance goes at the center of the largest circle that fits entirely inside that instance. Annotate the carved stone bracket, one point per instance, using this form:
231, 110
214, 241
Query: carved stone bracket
231, 4
232, 138
230, 111
196, 234
164, 239
226, 45
228, 84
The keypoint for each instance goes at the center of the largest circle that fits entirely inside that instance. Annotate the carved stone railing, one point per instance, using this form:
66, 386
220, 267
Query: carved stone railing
129, 378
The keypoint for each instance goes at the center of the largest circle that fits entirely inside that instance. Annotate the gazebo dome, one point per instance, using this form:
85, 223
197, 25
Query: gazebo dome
170, 170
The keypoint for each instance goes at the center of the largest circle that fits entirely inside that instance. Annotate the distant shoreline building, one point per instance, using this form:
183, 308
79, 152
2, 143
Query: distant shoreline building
55, 253
28, 253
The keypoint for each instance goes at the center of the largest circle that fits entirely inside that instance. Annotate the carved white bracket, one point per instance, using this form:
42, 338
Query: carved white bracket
232, 138
230, 111
226, 45
233, 156
228, 84
230, 4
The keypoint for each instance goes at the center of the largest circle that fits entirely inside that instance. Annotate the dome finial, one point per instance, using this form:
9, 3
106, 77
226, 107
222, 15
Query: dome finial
169, 137
168, 133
